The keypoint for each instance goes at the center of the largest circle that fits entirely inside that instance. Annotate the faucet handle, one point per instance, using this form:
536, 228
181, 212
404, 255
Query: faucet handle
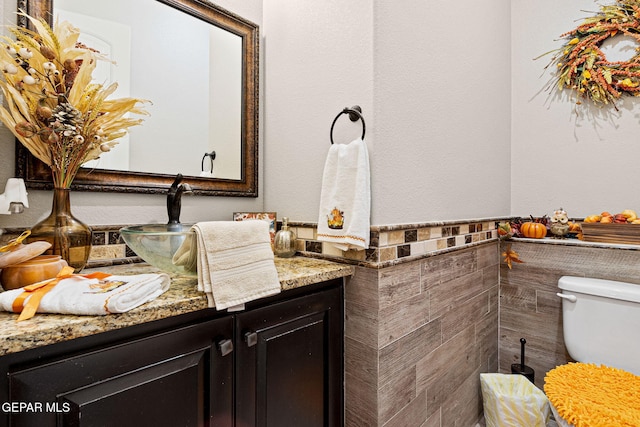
177, 180
174, 198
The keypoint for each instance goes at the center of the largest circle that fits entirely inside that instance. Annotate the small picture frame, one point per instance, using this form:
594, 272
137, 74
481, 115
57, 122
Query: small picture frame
270, 217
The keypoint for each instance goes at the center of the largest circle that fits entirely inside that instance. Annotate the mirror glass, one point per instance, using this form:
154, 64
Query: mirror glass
194, 86
197, 64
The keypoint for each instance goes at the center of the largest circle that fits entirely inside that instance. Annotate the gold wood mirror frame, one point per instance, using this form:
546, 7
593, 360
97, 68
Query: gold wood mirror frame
38, 176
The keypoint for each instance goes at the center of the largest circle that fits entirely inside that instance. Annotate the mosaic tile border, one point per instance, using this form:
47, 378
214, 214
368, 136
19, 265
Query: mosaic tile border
389, 244
393, 244
107, 246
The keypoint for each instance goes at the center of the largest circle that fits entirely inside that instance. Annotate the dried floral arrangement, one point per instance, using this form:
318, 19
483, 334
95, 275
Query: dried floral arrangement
582, 66
54, 109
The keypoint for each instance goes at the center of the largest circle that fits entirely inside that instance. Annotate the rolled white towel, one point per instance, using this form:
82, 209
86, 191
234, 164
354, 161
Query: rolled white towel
92, 296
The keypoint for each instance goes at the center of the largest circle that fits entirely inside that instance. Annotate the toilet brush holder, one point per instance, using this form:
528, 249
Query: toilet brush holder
521, 368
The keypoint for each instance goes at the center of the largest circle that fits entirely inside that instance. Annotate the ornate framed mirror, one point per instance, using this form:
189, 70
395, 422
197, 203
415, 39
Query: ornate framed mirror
219, 144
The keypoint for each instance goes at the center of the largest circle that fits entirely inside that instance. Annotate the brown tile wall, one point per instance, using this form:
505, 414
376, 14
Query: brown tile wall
418, 334
529, 307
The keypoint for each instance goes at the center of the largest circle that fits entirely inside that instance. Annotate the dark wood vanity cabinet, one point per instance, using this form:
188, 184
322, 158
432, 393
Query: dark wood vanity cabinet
289, 363
278, 363
174, 378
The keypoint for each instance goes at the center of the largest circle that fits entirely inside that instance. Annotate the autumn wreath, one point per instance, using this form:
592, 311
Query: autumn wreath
584, 68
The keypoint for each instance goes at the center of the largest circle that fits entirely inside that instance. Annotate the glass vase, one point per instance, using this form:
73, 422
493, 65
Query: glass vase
69, 237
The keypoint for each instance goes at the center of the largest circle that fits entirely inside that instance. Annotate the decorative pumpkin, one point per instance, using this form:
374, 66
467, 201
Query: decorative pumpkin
533, 230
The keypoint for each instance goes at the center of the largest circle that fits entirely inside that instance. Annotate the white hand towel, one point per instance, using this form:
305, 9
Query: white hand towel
235, 262
83, 296
345, 200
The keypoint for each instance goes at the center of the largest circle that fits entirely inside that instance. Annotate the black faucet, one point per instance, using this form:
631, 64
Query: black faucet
174, 197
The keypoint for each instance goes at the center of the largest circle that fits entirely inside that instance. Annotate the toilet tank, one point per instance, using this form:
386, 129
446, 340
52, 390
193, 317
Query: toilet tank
601, 321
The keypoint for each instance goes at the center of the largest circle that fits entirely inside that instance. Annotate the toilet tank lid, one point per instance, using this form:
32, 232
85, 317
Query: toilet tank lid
604, 288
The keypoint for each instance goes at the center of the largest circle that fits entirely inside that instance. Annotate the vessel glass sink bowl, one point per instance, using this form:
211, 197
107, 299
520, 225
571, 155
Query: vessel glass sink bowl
157, 243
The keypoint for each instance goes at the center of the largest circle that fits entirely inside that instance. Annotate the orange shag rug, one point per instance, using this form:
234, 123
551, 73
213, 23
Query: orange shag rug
589, 395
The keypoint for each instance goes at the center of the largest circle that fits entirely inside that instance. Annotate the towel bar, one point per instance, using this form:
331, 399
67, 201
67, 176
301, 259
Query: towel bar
354, 114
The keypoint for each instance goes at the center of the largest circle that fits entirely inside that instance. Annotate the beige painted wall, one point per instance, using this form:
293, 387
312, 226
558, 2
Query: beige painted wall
435, 98
558, 159
454, 127
318, 60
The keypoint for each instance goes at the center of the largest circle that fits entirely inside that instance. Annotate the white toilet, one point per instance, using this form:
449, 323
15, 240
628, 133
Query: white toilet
601, 322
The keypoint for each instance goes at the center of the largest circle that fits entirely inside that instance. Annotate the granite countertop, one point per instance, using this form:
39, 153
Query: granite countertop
182, 297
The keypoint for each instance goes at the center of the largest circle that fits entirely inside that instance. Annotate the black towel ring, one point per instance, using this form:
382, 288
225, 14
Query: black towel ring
355, 113
212, 157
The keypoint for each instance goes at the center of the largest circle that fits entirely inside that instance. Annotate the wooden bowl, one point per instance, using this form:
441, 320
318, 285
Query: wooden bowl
42, 267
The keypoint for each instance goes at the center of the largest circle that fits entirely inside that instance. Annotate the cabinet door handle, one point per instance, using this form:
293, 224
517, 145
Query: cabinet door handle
225, 347
251, 338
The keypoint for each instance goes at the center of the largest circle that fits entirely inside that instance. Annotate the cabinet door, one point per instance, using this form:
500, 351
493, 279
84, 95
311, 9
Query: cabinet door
289, 363
177, 378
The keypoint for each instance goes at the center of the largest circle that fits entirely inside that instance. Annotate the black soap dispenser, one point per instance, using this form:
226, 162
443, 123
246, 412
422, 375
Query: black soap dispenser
285, 241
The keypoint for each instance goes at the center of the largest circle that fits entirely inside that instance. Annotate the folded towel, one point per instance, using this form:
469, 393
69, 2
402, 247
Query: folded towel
90, 295
186, 255
235, 262
345, 199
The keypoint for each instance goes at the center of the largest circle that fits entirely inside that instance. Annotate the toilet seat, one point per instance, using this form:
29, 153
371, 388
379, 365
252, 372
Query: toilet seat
585, 394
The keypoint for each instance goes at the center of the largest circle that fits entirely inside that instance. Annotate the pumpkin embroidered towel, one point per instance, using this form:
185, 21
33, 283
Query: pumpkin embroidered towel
235, 262
93, 296
345, 198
